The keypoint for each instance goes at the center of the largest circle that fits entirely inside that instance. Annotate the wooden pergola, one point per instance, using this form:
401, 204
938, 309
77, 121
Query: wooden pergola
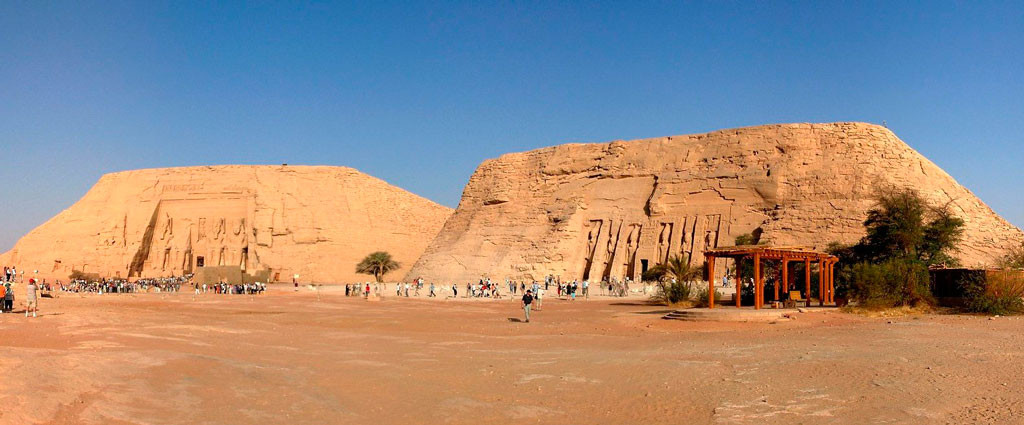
786, 255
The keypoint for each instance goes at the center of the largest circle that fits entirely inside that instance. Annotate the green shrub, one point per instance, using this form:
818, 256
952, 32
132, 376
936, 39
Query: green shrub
891, 283
902, 225
673, 293
702, 297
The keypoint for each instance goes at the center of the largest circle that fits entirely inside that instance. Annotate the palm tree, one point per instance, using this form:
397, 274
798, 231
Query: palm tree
677, 268
378, 264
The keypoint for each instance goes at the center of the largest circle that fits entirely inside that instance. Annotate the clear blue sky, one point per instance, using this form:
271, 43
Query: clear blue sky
419, 94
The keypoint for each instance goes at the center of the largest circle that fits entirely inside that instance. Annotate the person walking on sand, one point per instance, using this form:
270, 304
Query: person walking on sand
527, 300
31, 302
3, 295
8, 298
540, 298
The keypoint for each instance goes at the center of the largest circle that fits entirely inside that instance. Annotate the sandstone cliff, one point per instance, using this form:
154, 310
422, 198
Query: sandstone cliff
317, 222
615, 209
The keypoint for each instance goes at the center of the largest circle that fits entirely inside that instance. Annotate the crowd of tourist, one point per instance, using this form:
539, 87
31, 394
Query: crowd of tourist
254, 288
11, 273
361, 289
123, 286
533, 293
487, 289
35, 287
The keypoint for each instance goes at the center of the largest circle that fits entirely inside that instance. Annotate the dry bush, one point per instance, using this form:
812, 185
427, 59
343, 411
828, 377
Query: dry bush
998, 292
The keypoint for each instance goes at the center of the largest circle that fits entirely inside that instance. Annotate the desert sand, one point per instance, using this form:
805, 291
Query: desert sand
296, 358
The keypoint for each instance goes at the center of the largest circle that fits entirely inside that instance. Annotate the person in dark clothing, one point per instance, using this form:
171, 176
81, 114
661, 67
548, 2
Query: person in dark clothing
527, 300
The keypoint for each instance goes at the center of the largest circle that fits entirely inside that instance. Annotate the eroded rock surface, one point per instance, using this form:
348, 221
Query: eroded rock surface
317, 222
613, 209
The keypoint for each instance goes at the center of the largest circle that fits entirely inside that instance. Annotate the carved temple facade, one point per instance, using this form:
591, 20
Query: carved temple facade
185, 234
277, 221
622, 249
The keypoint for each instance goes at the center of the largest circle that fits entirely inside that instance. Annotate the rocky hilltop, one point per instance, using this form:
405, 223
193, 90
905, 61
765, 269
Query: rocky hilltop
615, 209
317, 222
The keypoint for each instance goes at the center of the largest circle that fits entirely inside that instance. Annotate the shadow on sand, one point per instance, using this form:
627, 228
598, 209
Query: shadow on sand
658, 312
22, 312
639, 303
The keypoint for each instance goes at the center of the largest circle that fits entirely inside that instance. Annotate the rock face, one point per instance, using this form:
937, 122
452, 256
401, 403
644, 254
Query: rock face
589, 211
317, 222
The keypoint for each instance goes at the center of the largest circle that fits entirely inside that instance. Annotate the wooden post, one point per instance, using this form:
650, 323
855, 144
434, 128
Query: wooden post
739, 282
807, 280
775, 287
785, 279
832, 282
711, 281
828, 282
758, 295
822, 276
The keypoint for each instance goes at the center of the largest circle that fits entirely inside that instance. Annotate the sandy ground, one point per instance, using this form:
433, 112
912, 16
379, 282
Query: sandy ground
289, 358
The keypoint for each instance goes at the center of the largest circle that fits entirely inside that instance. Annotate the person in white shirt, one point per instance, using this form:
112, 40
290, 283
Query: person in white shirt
31, 300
